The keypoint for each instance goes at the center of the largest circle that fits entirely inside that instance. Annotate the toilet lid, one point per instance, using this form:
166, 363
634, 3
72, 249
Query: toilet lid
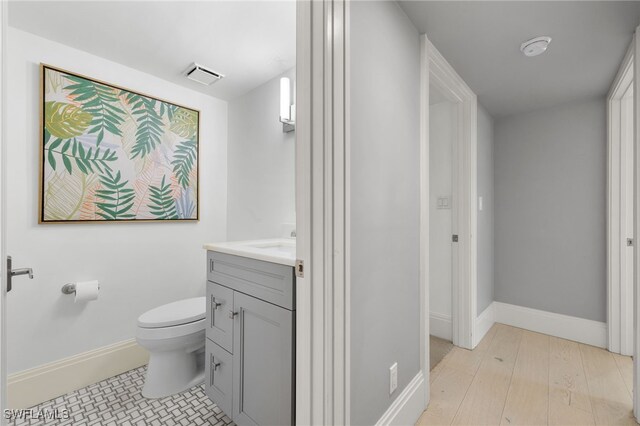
175, 313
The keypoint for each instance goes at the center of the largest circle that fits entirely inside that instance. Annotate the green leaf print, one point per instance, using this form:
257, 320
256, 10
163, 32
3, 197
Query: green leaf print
150, 125
168, 109
184, 159
184, 123
117, 200
162, 204
101, 102
65, 120
72, 152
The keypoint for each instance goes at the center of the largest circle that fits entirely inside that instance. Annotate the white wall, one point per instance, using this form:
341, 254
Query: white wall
140, 266
486, 257
441, 137
385, 204
261, 164
550, 189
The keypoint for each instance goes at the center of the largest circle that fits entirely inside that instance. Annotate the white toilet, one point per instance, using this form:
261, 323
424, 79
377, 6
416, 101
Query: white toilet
174, 335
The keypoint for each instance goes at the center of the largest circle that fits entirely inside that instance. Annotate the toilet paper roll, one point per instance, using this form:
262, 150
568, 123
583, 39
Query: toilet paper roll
86, 291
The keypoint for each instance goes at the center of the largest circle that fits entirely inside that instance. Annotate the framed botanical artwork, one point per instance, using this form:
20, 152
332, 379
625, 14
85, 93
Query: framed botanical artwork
109, 154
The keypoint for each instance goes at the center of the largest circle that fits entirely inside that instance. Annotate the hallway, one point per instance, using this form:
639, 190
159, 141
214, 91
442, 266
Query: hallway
516, 376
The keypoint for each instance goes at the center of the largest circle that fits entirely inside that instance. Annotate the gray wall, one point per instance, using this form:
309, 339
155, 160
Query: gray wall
550, 186
260, 164
485, 217
385, 89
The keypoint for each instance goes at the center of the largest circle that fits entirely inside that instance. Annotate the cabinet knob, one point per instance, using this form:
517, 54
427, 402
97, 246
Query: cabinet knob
232, 314
216, 365
215, 303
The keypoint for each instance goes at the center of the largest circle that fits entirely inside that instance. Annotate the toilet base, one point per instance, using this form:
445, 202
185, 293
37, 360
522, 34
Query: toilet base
173, 372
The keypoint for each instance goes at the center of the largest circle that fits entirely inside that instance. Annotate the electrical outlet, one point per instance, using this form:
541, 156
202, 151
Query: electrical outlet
393, 377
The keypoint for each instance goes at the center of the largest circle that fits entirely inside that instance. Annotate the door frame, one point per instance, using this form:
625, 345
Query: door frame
435, 69
619, 290
636, 223
3, 180
322, 211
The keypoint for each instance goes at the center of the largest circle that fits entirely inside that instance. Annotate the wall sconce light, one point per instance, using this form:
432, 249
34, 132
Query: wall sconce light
287, 110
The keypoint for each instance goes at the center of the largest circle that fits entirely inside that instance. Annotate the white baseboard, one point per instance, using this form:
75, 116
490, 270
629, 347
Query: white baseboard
440, 326
567, 327
31, 387
408, 406
483, 323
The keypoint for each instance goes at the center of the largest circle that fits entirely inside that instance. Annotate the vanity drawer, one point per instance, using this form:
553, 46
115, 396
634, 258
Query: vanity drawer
265, 280
219, 324
218, 376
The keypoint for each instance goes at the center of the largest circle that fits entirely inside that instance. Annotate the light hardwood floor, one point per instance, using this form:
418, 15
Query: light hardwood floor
438, 349
518, 377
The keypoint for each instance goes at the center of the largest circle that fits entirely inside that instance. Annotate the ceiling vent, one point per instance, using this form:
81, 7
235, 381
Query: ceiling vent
202, 75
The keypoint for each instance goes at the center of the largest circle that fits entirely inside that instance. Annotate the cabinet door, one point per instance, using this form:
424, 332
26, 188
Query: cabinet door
263, 363
218, 377
220, 325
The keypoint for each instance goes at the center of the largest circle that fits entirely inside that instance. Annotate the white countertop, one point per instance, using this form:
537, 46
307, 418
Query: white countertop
276, 250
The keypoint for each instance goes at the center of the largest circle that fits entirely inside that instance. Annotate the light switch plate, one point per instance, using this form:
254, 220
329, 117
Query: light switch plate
393, 378
444, 203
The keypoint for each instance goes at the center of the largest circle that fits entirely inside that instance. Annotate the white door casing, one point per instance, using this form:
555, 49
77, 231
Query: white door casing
619, 205
424, 218
3, 248
322, 295
636, 223
437, 71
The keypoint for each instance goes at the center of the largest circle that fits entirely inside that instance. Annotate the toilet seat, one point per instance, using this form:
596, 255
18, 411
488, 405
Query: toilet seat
162, 333
174, 314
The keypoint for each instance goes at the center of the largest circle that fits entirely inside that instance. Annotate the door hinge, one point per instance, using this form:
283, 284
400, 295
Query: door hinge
454, 238
300, 268
629, 242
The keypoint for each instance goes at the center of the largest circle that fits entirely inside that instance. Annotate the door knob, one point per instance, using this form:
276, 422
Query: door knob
15, 272
22, 271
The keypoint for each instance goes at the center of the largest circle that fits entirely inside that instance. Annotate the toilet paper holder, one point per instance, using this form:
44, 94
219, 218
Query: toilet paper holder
83, 291
69, 288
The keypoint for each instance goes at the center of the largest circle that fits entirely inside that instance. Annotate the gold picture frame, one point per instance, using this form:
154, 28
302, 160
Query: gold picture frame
111, 154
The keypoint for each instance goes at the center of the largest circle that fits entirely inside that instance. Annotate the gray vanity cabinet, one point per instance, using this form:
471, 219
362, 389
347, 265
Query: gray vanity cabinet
219, 376
250, 346
220, 325
263, 355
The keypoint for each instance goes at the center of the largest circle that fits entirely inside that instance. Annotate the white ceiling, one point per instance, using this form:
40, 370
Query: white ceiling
481, 40
250, 42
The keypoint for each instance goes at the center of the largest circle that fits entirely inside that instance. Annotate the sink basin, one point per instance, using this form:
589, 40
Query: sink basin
281, 250
277, 246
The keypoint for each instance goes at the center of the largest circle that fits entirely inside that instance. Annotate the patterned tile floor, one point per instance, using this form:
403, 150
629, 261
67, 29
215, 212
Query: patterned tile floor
118, 401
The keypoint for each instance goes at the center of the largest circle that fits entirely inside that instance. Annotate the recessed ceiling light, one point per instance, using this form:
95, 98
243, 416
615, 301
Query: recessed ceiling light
202, 74
535, 46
